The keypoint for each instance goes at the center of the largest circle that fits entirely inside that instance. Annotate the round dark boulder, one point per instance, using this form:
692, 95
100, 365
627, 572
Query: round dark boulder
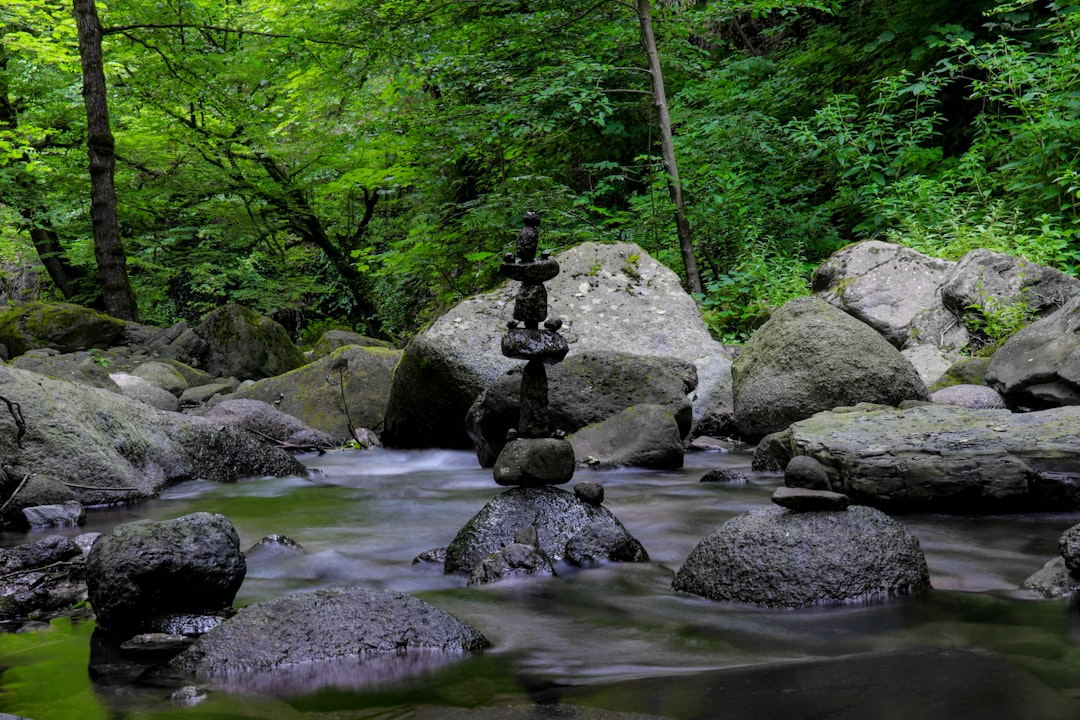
601, 542
556, 514
514, 560
1069, 547
144, 569
62, 326
776, 558
328, 624
803, 471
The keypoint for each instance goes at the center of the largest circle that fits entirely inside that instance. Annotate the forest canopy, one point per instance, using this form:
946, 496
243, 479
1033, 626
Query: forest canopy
366, 163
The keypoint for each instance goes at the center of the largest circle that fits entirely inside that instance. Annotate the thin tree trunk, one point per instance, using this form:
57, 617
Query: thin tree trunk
116, 293
667, 148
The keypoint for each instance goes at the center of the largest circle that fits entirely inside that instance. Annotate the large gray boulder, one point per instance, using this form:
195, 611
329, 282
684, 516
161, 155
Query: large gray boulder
810, 357
645, 436
558, 517
611, 297
885, 286
351, 382
1039, 366
108, 448
136, 388
347, 623
584, 389
944, 457
61, 326
81, 367
243, 344
143, 570
776, 558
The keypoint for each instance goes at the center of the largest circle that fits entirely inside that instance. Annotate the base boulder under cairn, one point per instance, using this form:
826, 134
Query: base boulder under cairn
558, 517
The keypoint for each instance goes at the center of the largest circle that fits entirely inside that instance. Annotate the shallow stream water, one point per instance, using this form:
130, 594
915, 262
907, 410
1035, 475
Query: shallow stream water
612, 637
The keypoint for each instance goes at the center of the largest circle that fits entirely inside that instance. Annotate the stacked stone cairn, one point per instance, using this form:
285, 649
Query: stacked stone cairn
534, 455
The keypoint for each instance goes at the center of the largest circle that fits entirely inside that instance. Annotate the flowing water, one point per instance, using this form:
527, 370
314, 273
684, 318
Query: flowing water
609, 633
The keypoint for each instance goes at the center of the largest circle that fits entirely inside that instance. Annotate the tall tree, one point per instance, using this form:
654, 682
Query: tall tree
667, 148
116, 293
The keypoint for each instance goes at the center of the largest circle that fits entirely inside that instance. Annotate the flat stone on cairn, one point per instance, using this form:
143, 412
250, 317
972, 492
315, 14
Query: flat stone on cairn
533, 456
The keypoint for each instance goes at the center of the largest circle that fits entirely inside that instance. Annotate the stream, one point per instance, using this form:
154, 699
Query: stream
613, 637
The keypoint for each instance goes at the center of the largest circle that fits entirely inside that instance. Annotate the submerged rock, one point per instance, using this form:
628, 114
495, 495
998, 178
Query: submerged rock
557, 515
776, 558
346, 623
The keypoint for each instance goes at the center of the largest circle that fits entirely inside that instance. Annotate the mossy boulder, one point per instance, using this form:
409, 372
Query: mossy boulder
62, 326
331, 340
810, 357
640, 436
110, 449
352, 378
243, 344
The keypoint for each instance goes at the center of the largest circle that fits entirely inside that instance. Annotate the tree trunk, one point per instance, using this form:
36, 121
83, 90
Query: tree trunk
667, 148
116, 293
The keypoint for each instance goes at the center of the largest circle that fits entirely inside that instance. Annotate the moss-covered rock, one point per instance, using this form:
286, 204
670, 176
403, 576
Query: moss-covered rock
243, 344
62, 326
331, 340
810, 357
354, 378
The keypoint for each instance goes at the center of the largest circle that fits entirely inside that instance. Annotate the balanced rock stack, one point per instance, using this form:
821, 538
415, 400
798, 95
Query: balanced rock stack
533, 455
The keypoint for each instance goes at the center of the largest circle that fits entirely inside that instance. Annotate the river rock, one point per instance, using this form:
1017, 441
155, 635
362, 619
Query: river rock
62, 326
1039, 365
85, 368
803, 471
351, 382
800, 499
332, 340
33, 490
612, 297
345, 623
713, 401
241, 343
944, 457
584, 389
266, 421
930, 361
1069, 547
67, 514
1052, 580
556, 514
809, 357
145, 569
515, 560
965, 371
775, 558
41, 578
983, 276
971, 396
884, 285
136, 388
645, 436
109, 448
167, 376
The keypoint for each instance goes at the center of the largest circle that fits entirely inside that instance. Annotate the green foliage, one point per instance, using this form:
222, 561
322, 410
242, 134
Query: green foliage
993, 320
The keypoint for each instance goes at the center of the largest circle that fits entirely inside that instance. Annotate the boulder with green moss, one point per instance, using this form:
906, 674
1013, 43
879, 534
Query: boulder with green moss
62, 326
107, 448
243, 344
810, 357
352, 382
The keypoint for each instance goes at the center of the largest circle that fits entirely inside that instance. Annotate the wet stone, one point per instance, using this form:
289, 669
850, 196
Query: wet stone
797, 499
534, 462
591, 492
